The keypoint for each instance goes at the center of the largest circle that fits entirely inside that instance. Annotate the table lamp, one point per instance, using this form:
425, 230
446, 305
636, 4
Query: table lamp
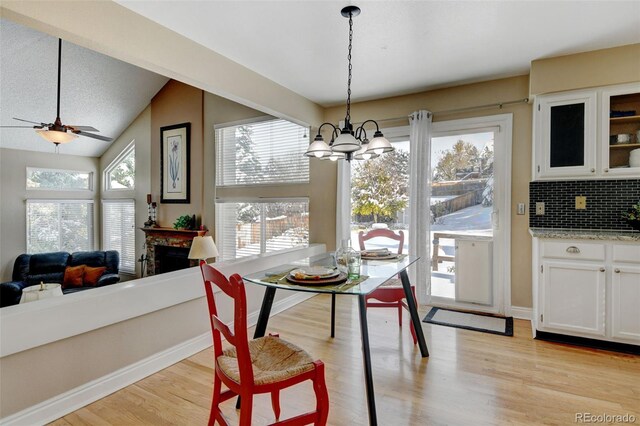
202, 248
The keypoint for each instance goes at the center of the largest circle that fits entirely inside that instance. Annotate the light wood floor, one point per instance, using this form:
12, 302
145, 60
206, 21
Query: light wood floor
470, 378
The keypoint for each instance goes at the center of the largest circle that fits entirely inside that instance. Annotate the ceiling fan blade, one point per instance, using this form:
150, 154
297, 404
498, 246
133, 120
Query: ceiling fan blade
91, 135
29, 121
83, 128
21, 127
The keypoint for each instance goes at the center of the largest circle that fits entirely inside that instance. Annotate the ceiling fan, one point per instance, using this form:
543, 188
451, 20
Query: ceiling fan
56, 132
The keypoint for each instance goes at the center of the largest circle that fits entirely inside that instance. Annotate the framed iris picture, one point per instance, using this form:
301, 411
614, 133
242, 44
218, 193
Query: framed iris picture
174, 163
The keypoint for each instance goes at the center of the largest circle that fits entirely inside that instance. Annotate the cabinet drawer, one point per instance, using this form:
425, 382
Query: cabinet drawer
626, 253
572, 250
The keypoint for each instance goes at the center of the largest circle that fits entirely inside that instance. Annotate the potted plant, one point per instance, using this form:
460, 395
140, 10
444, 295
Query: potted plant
183, 222
632, 216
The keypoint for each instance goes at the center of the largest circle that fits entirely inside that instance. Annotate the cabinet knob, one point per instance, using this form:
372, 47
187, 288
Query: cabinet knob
593, 170
573, 249
617, 271
602, 269
606, 170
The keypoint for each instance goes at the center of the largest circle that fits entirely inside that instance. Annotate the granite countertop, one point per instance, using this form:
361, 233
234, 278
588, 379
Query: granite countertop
584, 234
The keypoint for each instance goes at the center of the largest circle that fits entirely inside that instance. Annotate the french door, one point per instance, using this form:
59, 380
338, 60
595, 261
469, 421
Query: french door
470, 215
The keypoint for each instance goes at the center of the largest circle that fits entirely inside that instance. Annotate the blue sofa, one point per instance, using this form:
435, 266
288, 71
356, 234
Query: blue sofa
31, 269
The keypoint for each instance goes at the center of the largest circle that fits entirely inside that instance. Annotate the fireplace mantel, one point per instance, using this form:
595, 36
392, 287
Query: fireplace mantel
168, 237
184, 234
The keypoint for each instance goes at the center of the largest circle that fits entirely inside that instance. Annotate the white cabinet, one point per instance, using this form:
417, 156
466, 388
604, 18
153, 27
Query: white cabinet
625, 302
574, 297
566, 134
576, 134
587, 289
616, 154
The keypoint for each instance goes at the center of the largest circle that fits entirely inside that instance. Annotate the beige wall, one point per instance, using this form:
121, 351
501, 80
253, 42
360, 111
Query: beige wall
178, 103
109, 349
468, 96
139, 131
589, 69
13, 193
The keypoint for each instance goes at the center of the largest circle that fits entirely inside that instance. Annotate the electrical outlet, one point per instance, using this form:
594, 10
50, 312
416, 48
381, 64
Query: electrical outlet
581, 203
521, 208
540, 209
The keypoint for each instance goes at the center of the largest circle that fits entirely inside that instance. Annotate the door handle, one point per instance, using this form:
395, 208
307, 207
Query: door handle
495, 219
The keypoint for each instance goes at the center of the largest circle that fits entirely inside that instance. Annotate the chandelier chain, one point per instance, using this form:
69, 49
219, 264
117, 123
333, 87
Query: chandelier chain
348, 117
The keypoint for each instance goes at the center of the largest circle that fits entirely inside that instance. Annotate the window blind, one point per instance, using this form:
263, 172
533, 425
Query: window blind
118, 231
59, 225
264, 152
249, 228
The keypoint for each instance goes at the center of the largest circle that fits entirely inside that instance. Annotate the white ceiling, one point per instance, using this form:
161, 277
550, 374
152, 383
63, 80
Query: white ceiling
96, 90
399, 46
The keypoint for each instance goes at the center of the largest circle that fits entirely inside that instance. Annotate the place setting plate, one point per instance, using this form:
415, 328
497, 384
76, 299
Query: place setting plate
316, 275
378, 255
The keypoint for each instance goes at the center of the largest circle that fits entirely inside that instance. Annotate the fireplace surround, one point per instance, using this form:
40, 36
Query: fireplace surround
167, 249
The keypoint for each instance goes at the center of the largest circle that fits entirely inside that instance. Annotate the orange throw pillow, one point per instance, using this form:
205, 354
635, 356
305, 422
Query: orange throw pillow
73, 276
92, 275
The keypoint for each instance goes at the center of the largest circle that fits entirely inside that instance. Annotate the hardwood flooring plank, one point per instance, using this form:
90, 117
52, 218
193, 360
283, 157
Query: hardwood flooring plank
470, 377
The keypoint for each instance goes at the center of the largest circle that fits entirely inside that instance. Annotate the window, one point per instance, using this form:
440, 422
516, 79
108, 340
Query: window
59, 180
264, 152
246, 228
121, 173
59, 225
118, 231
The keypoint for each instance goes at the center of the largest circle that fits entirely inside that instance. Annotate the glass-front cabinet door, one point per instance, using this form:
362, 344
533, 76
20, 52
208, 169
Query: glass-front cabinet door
567, 129
620, 135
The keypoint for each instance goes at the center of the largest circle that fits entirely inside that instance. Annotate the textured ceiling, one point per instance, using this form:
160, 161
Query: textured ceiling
96, 90
399, 46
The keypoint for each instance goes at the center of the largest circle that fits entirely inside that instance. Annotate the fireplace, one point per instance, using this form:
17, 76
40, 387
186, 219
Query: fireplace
170, 258
168, 248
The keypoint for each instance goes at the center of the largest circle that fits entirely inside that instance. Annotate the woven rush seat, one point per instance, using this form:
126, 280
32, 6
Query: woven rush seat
272, 358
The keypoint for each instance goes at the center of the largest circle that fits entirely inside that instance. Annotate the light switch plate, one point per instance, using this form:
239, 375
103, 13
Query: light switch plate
540, 209
521, 208
581, 202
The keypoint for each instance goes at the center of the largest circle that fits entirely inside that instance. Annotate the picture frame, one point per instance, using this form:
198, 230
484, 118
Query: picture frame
175, 165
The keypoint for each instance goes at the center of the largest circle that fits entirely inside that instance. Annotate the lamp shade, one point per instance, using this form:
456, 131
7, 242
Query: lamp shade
56, 136
42, 291
363, 153
345, 142
203, 248
318, 148
379, 144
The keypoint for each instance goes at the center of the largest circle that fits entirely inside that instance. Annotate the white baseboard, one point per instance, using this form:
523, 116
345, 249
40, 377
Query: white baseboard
521, 313
63, 404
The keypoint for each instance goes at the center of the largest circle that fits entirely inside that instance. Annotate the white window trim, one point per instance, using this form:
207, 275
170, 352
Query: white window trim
112, 165
102, 223
259, 119
259, 200
47, 169
60, 200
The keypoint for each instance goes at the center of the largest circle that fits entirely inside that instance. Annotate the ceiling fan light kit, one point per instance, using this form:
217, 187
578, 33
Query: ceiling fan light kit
58, 133
56, 136
346, 143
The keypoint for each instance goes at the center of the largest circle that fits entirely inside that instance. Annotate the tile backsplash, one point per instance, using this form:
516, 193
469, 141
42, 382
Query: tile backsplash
606, 199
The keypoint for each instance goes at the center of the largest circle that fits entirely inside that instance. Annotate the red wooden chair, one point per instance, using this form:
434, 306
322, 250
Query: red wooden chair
390, 294
263, 365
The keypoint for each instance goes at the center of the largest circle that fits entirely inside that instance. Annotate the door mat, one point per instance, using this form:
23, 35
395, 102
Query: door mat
468, 321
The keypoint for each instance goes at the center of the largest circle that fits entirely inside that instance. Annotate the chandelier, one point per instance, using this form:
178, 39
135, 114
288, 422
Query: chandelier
346, 143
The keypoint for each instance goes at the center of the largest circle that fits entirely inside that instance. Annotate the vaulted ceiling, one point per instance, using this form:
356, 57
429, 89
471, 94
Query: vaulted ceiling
399, 47
96, 90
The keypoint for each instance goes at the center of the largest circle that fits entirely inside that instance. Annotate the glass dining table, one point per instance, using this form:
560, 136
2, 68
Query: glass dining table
373, 273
